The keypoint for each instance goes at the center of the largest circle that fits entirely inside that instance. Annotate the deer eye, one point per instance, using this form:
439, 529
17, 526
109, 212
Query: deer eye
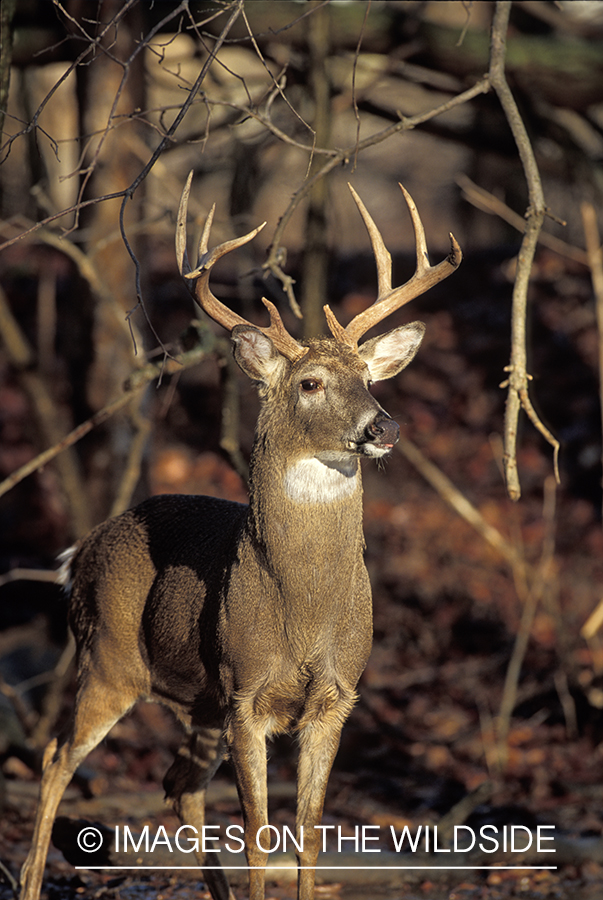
310, 386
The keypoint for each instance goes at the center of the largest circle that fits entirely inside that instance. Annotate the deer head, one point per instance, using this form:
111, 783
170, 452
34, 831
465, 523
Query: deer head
334, 371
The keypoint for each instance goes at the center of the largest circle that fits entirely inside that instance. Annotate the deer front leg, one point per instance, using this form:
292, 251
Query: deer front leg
248, 753
318, 745
185, 785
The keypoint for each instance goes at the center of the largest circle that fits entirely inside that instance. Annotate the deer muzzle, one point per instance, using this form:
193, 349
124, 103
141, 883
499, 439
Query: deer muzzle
383, 432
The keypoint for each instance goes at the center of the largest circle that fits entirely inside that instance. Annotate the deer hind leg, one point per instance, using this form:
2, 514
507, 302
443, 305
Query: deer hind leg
185, 785
97, 710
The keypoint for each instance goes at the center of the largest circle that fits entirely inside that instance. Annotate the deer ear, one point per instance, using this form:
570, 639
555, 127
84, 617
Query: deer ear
389, 353
256, 354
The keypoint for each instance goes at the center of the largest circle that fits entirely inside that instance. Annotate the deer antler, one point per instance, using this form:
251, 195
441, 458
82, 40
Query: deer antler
390, 299
198, 280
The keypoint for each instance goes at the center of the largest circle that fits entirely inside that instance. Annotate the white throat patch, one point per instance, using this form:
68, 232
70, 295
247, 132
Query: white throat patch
314, 481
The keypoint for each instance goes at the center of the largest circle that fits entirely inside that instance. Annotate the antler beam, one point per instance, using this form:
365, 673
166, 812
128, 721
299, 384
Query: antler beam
198, 281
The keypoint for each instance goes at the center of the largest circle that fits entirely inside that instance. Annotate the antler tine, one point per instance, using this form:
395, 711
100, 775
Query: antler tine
203, 245
420, 241
391, 299
382, 255
181, 254
198, 280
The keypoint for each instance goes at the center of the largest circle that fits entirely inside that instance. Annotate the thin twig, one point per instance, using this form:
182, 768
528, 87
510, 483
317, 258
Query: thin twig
21, 574
451, 494
315, 257
594, 253
137, 381
537, 588
68, 441
517, 382
76, 208
129, 192
25, 715
131, 473
530, 583
58, 682
487, 202
93, 45
354, 68
343, 156
6, 47
590, 633
276, 83
46, 413
568, 704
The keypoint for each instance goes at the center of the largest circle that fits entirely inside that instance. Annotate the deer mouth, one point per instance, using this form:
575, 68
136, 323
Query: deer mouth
371, 448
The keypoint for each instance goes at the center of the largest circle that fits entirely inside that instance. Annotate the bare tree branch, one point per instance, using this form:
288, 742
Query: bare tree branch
531, 583
488, 203
517, 382
315, 258
539, 583
451, 494
137, 382
128, 193
6, 51
131, 475
343, 156
45, 410
595, 261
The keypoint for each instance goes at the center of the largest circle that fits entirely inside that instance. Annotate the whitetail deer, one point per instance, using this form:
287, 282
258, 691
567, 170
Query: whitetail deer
248, 621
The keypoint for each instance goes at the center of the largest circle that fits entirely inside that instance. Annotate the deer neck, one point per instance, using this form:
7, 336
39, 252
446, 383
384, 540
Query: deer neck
305, 510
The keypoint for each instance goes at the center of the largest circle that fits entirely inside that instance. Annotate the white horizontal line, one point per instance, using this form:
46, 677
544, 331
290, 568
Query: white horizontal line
319, 868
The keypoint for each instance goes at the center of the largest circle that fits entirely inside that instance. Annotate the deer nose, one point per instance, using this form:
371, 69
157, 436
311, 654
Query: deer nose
382, 430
